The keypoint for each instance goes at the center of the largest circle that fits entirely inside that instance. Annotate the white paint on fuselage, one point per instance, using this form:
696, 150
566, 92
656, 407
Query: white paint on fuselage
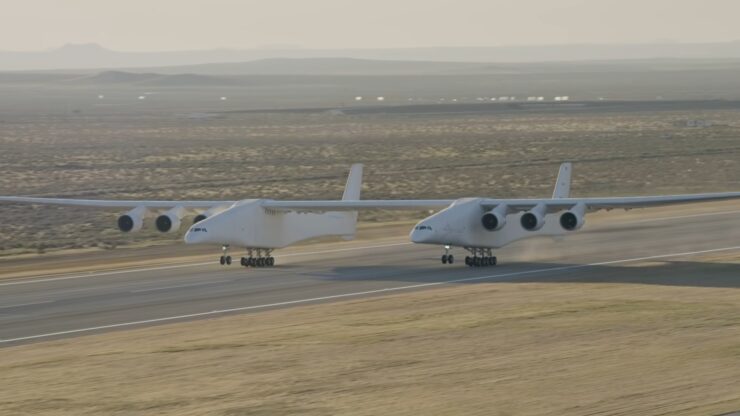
460, 225
248, 224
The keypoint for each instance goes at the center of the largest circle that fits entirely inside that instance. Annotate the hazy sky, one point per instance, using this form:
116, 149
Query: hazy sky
148, 25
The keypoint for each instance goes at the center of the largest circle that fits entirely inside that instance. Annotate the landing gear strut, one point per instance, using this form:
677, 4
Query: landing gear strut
447, 258
225, 259
259, 261
482, 257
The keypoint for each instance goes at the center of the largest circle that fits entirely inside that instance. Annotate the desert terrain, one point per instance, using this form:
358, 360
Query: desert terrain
654, 336
163, 147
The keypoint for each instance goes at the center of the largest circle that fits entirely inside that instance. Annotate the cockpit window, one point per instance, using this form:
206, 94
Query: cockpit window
199, 229
423, 227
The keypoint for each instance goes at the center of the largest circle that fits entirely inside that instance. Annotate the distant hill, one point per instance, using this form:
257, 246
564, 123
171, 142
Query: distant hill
92, 56
352, 66
148, 79
326, 66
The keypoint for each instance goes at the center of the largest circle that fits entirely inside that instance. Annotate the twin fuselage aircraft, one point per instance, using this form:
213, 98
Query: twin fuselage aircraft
479, 225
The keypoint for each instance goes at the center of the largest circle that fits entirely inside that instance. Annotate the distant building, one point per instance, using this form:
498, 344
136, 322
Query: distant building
698, 123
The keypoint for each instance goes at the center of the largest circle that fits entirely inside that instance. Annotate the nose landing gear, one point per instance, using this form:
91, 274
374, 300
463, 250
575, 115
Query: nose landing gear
225, 259
447, 258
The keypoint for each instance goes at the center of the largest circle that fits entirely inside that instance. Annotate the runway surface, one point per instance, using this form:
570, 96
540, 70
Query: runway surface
670, 246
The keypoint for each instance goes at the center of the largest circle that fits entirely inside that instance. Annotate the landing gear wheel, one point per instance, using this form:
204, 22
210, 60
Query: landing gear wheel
252, 262
444, 259
494, 261
261, 262
243, 261
450, 259
222, 260
468, 261
228, 260
270, 261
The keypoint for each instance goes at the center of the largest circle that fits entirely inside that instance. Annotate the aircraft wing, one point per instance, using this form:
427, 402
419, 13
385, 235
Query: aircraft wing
328, 205
103, 203
595, 204
348, 205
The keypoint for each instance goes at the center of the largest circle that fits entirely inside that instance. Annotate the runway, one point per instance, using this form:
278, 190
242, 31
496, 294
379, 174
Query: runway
671, 245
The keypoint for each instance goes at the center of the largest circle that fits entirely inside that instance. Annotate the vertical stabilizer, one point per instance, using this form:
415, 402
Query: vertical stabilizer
562, 186
354, 183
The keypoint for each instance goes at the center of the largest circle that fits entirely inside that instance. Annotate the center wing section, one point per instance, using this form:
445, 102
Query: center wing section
349, 205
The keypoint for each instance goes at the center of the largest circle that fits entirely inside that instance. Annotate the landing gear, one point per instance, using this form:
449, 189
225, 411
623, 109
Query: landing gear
259, 260
447, 258
482, 257
225, 259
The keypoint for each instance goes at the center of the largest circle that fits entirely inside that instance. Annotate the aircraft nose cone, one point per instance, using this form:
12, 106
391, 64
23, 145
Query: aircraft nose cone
196, 234
414, 236
420, 234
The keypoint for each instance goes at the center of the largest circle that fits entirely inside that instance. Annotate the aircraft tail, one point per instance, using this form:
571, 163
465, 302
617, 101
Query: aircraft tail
354, 183
562, 186
351, 193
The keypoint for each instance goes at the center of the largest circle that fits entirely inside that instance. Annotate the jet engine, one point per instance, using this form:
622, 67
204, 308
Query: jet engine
170, 220
213, 211
495, 219
573, 219
132, 221
534, 219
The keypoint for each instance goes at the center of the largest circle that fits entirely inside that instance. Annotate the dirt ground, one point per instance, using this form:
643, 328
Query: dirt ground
554, 348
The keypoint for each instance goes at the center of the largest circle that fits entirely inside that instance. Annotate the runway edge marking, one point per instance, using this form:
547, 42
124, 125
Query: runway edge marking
362, 293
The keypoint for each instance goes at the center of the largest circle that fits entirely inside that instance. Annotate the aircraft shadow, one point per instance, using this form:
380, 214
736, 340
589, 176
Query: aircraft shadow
666, 273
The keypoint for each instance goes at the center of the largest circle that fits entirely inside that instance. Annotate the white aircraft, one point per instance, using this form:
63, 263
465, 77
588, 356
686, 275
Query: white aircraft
478, 225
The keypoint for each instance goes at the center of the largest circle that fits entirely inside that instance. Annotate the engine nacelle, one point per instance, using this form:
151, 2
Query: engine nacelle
170, 221
132, 221
534, 219
495, 219
573, 219
209, 213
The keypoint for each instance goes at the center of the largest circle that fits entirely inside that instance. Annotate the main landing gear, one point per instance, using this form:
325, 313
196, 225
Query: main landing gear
482, 257
259, 260
250, 261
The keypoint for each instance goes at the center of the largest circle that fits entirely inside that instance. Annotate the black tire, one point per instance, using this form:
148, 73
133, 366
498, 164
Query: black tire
495, 260
476, 261
243, 261
271, 261
228, 260
261, 262
444, 259
222, 260
468, 261
252, 262
450, 259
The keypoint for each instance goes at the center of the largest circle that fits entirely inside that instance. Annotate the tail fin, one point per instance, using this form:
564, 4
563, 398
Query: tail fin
562, 186
354, 183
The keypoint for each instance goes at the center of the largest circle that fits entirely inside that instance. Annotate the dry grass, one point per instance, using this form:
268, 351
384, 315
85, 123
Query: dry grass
487, 349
